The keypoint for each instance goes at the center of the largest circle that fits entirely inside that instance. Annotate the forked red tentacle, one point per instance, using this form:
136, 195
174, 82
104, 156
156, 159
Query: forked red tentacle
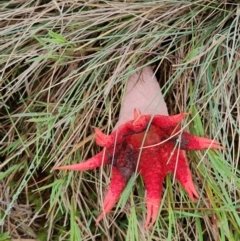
92, 163
191, 142
168, 121
153, 175
102, 139
138, 124
114, 191
183, 174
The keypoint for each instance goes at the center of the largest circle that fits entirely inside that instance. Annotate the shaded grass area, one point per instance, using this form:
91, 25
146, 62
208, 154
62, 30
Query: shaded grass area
64, 66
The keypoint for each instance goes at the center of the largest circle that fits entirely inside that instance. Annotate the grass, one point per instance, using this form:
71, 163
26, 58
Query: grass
64, 65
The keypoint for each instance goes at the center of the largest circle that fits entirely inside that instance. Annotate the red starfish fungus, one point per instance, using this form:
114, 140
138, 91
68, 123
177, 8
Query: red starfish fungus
163, 153
159, 143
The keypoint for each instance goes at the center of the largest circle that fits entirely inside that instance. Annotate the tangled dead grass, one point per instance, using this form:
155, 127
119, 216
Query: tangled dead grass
64, 65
